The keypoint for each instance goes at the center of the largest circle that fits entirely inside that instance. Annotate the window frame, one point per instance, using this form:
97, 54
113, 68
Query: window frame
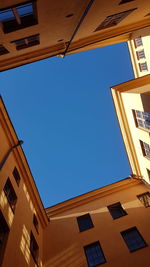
146, 205
144, 150
3, 50
138, 235
97, 246
8, 186
20, 22
36, 223
140, 121
16, 175
33, 251
27, 45
112, 209
80, 221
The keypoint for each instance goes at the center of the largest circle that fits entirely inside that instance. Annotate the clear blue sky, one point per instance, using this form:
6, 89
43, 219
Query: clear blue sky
63, 110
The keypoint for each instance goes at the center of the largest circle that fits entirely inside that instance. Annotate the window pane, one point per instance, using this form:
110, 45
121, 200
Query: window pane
25, 9
84, 222
116, 210
6, 14
94, 254
133, 239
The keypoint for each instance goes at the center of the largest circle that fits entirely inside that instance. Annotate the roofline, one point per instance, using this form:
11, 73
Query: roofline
91, 196
20, 149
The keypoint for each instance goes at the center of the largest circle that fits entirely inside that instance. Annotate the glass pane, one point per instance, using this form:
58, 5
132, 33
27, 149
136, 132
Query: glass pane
6, 14
25, 9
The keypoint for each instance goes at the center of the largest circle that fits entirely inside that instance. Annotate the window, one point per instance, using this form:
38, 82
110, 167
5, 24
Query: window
34, 248
148, 173
94, 254
138, 42
116, 210
142, 119
84, 222
125, 1
3, 50
143, 66
35, 222
145, 149
16, 176
133, 239
145, 199
113, 20
18, 17
10, 194
140, 54
27, 42
4, 231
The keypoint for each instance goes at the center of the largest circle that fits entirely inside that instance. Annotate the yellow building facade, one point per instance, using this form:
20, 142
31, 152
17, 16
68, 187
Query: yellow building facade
100, 227
132, 104
138, 44
34, 30
22, 215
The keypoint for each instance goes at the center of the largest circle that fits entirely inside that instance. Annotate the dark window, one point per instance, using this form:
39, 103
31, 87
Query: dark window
4, 231
133, 239
138, 42
16, 176
140, 54
145, 149
94, 254
10, 194
142, 119
125, 1
35, 222
34, 248
3, 50
145, 199
143, 66
116, 210
84, 222
148, 173
27, 42
18, 17
113, 20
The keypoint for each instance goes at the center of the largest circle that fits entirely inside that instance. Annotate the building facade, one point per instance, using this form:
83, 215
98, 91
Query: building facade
132, 104
37, 29
22, 215
101, 227
139, 44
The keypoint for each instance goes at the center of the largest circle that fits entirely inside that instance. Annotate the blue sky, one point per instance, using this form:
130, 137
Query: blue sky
63, 110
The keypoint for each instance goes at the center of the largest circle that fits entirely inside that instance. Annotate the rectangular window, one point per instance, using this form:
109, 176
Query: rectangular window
35, 222
114, 19
145, 199
16, 176
140, 54
18, 17
148, 173
138, 42
133, 239
94, 254
10, 194
116, 210
3, 50
84, 222
4, 231
34, 248
143, 66
145, 149
142, 119
27, 42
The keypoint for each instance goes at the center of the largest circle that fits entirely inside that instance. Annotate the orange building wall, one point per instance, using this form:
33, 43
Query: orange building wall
63, 243
20, 222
